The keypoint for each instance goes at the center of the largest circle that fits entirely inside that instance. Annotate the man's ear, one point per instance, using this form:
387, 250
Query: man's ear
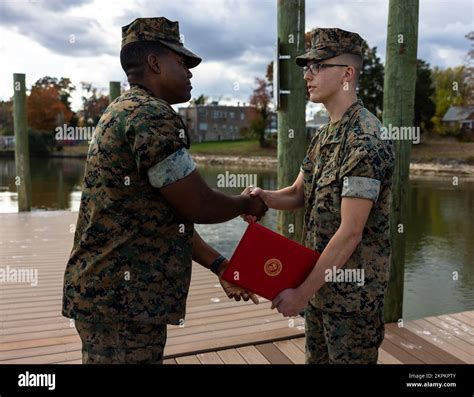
154, 63
349, 74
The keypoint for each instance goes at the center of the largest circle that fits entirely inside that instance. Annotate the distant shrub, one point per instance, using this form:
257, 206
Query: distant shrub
40, 142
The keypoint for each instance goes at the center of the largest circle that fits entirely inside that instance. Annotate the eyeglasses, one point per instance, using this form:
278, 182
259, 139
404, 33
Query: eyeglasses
314, 68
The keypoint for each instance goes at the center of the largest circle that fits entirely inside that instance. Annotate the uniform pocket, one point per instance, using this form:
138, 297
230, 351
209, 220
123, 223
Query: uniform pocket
327, 178
328, 165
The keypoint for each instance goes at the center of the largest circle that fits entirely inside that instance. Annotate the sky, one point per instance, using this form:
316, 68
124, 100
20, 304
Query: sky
80, 39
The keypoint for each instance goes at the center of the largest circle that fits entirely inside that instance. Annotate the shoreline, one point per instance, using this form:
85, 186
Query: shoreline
269, 163
444, 168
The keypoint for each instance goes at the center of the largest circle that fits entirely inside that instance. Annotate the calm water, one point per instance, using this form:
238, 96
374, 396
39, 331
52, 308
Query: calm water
440, 232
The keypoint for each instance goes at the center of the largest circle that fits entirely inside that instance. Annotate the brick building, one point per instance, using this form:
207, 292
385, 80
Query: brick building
215, 122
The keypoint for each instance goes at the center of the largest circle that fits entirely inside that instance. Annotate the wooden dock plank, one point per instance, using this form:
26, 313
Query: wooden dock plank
436, 355
252, 356
291, 351
231, 356
443, 340
399, 353
387, 358
300, 342
209, 358
463, 327
411, 346
452, 329
464, 318
217, 330
273, 354
188, 360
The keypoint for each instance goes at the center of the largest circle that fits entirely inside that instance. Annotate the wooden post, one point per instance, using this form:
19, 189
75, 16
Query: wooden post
398, 111
22, 150
292, 142
114, 90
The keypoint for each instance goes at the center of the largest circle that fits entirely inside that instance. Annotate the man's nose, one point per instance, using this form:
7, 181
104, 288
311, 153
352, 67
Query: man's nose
189, 74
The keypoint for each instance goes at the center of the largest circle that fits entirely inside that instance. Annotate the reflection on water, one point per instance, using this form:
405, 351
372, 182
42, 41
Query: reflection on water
439, 269
439, 264
55, 184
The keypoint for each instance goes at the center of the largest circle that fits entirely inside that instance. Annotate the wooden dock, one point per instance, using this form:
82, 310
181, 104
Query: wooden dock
217, 330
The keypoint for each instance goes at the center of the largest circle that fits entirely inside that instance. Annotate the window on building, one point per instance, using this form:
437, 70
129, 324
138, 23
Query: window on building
242, 116
203, 126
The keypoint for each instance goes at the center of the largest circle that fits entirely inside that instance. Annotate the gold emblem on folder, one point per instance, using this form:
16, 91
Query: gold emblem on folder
273, 267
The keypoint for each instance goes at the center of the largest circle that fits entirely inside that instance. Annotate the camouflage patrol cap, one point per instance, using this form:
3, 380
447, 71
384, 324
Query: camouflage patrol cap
330, 42
162, 30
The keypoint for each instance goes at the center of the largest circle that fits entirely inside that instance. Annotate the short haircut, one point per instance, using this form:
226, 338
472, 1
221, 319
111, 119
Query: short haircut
354, 61
133, 56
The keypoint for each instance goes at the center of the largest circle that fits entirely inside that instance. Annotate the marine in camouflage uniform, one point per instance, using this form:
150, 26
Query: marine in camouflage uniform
124, 225
344, 320
129, 271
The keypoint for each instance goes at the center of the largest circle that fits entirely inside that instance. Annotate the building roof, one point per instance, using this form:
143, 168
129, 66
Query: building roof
457, 113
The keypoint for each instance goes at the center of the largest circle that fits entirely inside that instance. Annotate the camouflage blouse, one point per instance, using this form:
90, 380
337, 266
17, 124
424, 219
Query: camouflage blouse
132, 254
350, 161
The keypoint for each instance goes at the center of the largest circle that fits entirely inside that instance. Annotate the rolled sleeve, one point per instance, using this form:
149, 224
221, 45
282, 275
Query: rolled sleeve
361, 187
153, 132
364, 168
173, 168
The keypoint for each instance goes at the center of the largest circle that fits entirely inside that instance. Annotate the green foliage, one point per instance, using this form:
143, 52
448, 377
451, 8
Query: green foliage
40, 142
248, 133
6, 118
451, 90
370, 87
425, 107
201, 100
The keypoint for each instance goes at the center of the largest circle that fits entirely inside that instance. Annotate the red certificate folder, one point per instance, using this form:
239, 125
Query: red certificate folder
267, 263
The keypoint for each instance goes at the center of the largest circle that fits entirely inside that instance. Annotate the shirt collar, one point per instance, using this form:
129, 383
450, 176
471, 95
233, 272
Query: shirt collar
346, 117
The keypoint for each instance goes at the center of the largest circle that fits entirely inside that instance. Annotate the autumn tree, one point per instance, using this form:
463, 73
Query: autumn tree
6, 117
64, 86
261, 100
93, 104
46, 107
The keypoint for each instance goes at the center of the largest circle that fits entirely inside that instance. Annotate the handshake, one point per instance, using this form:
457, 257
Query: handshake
254, 211
256, 206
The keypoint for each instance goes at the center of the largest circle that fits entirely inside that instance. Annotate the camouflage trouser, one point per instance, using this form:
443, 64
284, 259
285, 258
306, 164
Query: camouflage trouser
338, 338
122, 343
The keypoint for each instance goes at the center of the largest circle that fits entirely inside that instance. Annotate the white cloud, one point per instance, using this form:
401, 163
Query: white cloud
449, 56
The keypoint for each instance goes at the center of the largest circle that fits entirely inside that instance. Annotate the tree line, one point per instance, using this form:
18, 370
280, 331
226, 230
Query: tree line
49, 99
49, 106
436, 90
